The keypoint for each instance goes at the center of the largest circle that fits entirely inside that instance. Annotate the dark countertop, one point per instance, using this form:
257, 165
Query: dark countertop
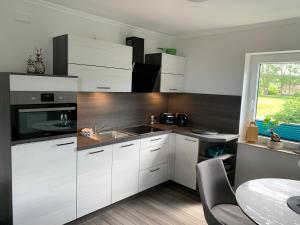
86, 143
219, 138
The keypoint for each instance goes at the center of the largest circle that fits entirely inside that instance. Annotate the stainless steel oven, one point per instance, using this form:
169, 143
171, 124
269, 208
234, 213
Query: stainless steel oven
36, 115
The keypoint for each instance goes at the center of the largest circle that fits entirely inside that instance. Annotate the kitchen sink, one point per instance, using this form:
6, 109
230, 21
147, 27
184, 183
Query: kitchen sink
112, 134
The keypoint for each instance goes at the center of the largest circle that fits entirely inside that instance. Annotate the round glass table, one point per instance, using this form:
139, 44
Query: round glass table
270, 201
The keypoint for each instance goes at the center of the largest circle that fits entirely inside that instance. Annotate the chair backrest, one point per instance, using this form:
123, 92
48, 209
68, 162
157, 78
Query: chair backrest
214, 187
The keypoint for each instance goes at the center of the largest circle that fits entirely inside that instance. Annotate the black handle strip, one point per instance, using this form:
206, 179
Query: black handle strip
91, 153
124, 146
154, 150
154, 170
69, 143
155, 139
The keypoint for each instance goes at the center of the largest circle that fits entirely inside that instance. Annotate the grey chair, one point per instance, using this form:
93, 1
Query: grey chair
218, 199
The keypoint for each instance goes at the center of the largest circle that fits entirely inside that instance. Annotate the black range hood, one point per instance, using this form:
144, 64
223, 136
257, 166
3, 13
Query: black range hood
145, 78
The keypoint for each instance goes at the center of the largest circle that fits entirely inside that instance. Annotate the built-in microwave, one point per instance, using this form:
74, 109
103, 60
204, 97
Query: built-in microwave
42, 115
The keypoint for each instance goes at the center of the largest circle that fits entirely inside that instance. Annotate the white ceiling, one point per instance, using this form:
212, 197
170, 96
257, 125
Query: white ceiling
180, 17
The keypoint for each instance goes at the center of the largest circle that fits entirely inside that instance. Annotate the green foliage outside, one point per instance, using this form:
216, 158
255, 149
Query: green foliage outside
279, 92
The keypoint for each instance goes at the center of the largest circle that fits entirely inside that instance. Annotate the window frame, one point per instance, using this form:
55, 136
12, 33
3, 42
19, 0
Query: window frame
251, 82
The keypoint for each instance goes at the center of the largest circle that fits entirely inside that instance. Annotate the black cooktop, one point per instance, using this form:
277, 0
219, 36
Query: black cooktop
142, 129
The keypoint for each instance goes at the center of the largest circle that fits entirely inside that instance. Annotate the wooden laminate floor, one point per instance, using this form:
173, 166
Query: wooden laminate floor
166, 204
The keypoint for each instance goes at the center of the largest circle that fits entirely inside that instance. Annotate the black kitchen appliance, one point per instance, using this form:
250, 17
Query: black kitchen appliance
43, 115
181, 119
145, 78
137, 45
167, 118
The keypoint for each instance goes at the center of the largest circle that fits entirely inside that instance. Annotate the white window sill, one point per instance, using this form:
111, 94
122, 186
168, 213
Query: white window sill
289, 146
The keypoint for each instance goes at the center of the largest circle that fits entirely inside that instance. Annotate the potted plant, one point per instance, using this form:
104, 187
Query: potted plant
271, 125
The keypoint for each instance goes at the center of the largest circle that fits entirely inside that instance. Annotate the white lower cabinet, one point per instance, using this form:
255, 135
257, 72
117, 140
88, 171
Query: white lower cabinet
186, 158
154, 155
153, 176
93, 179
125, 169
44, 182
154, 161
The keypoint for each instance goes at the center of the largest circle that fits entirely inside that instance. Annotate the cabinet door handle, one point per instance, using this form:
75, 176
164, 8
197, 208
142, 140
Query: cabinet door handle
154, 150
69, 143
91, 153
155, 139
172, 89
151, 171
124, 146
190, 140
105, 88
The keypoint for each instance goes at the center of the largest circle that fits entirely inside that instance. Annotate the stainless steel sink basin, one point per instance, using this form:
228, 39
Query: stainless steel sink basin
112, 134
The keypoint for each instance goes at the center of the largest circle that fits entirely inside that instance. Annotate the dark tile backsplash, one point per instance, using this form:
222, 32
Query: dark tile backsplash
220, 112
120, 110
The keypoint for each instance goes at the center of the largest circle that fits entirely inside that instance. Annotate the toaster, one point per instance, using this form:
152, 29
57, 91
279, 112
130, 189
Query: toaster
167, 118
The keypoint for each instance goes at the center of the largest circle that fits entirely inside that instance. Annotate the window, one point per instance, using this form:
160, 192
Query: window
271, 88
279, 98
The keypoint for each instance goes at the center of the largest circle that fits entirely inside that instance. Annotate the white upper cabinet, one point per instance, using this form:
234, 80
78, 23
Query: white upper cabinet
171, 83
171, 73
172, 64
42, 83
101, 79
101, 66
95, 52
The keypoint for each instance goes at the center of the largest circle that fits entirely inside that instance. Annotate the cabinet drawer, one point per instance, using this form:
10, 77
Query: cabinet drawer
93, 179
155, 140
154, 155
153, 176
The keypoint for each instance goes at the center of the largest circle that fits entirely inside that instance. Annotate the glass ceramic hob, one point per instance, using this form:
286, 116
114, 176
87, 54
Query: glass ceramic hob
142, 129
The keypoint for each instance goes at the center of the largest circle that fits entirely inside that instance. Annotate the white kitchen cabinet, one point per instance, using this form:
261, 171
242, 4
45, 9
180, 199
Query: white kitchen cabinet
42, 83
125, 170
172, 64
171, 83
90, 51
186, 158
153, 176
155, 140
154, 155
171, 73
94, 174
101, 79
44, 182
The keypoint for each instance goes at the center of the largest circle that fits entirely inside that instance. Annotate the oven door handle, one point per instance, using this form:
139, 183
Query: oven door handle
47, 109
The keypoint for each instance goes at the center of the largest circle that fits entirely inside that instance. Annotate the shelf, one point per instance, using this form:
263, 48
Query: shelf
223, 157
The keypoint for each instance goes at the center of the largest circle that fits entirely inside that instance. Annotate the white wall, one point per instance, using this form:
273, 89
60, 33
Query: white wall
215, 63
18, 39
